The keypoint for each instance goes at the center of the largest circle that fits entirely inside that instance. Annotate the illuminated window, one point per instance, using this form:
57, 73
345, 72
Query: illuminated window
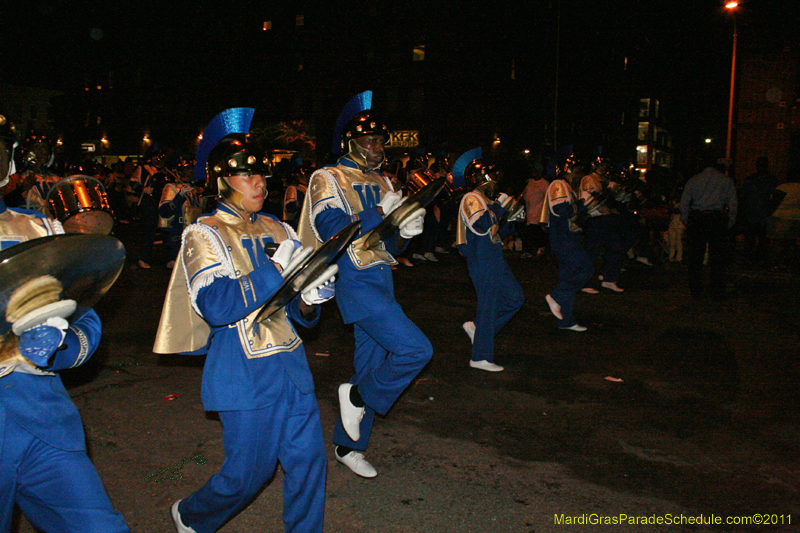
267, 25
300, 20
644, 107
641, 154
655, 108
419, 53
644, 131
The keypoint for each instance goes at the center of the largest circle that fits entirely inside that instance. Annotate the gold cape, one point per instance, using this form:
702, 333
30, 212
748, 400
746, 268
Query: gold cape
212, 248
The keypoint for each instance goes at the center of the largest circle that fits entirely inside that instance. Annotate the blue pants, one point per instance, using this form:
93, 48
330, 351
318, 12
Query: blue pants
58, 491
500, 296
604, 234
574, 271
390, 352
289, 431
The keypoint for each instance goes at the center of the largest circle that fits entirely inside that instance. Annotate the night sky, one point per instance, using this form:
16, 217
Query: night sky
678, 51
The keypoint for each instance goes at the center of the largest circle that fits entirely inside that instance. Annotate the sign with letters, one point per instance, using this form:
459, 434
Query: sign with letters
404, 139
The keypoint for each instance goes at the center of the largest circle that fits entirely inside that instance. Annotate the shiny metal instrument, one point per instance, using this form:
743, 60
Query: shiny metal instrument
80, 204
514, 206
81, 267
391, 223
299, 275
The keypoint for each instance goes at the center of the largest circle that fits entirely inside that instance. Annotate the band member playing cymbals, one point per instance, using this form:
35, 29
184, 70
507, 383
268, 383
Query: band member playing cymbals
479, 238
559, 212
390, 350
256, 375
44, 468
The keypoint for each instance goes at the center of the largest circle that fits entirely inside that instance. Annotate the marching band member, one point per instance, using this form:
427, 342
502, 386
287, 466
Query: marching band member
29, 188
256, 375
390, 350
146, 182
574, 264
479, 238
602, 229
44, 468
179, 207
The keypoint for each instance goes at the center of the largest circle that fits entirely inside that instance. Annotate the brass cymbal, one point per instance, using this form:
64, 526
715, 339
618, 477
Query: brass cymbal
309, 269
86, 265
390, 224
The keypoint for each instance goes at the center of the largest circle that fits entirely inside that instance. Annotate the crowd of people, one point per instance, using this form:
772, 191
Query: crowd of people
232, 237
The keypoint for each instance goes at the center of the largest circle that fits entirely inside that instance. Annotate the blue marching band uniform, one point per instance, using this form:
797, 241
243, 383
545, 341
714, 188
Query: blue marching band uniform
603, 230
256, 375
479, 238
574, 264
44, 468
390, 350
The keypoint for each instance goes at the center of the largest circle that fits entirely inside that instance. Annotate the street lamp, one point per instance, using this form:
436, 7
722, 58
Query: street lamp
731, 6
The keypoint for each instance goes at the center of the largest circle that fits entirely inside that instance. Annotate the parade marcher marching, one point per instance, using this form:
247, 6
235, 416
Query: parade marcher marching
602, 229
44, 467
390, 350
28, 189
180, 205
446, 203
147, 183
575, 268
417, 174
479, 238
256, 375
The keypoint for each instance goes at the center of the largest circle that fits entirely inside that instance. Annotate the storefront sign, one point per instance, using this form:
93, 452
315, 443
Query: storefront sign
404, 139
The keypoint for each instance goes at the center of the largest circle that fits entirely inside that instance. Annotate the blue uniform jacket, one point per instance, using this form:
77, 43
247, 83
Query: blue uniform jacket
231, 381
481, 246
559, 226
359, 293
40, 403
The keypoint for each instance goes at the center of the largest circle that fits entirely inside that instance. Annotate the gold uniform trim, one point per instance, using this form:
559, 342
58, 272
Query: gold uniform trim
205, 256
335, 188
473, 205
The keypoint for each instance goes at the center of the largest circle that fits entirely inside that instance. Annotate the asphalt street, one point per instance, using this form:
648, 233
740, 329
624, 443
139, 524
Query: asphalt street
667, 409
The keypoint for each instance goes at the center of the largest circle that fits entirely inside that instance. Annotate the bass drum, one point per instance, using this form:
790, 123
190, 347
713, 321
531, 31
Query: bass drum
80, 204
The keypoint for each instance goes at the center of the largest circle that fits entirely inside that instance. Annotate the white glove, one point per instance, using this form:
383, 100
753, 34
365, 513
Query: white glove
502, 198
284, 253
389, 202
321, 289
37, 317
300, 255
517, 216
412, 225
